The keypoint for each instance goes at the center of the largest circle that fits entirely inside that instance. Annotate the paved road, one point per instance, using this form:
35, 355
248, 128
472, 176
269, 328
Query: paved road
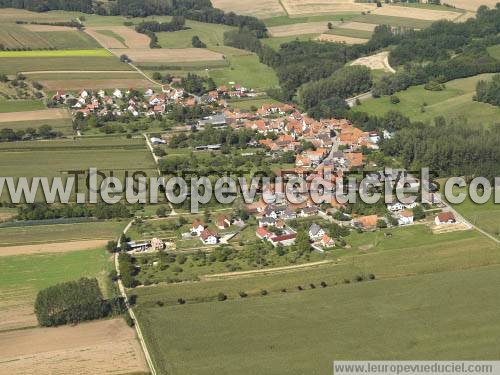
131, 311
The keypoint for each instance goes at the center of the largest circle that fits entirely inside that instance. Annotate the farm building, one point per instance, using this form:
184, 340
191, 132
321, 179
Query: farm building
445, 218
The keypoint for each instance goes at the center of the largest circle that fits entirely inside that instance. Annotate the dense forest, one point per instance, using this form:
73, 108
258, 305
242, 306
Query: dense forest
450, 149
489, 92
46, 5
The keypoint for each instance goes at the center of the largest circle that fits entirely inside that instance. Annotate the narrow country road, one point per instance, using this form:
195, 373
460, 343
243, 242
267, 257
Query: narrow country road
131, 311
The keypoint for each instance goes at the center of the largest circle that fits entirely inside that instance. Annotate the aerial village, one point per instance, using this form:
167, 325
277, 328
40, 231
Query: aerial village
335, 148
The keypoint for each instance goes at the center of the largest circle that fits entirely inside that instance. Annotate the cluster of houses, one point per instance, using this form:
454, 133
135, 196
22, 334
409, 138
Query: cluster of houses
209, 237
151, 103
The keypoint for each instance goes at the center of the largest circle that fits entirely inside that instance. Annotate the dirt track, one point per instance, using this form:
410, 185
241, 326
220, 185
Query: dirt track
58, 247
43, 114
101, 347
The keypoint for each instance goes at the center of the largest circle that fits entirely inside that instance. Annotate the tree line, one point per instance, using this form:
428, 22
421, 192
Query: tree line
74, 302
489, 92
44, 211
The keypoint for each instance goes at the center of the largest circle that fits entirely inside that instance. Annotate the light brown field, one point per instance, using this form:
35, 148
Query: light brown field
256, 8
43, 114
340, 39
132, 38
300, 28
302, 7
416, 13
377, 61
471, 4
4, 216
16, 316
42, 28
163, 55
357, 26
104, 40
101, 347
79, 84
10, 15
57, 247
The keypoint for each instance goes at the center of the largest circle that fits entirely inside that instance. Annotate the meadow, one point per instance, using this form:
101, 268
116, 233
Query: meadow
455, 101
22, 276
246, 71
13, 65
56, 53
61, 125
210, 34
20, 105
40, 234
44, 37
424, 314
55, 158
409, 251
363, 34
485, 216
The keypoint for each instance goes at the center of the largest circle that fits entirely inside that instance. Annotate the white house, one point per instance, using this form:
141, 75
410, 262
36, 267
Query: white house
198, 227
117, 94
445, 218
405, 218
208, 237
316, 232
157, 141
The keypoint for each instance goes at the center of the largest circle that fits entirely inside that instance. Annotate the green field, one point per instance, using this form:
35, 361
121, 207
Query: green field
363, 34
112, 34
276, 42
485, 216
39, 234
13, 65
22, 276
211, 34
20, 106
246, 71
437, 316
286, 20
64, 126
55, 158
455, 101
393, 21
494, 51
17, 36
69, 53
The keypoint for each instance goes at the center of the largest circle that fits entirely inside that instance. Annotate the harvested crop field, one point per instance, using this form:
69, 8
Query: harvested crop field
300, 29
79, 84
416, 13
341, 39
126, 37
44, 28
302, 7
160, 55
102, 347
357, 26
377, 61
471, 4
256, 8
58, 247
43, 114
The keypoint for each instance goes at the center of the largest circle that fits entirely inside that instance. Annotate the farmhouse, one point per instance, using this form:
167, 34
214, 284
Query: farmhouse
405, 218
445, 218
366, 222
223, 222
208, 237
316, 232
197, 227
